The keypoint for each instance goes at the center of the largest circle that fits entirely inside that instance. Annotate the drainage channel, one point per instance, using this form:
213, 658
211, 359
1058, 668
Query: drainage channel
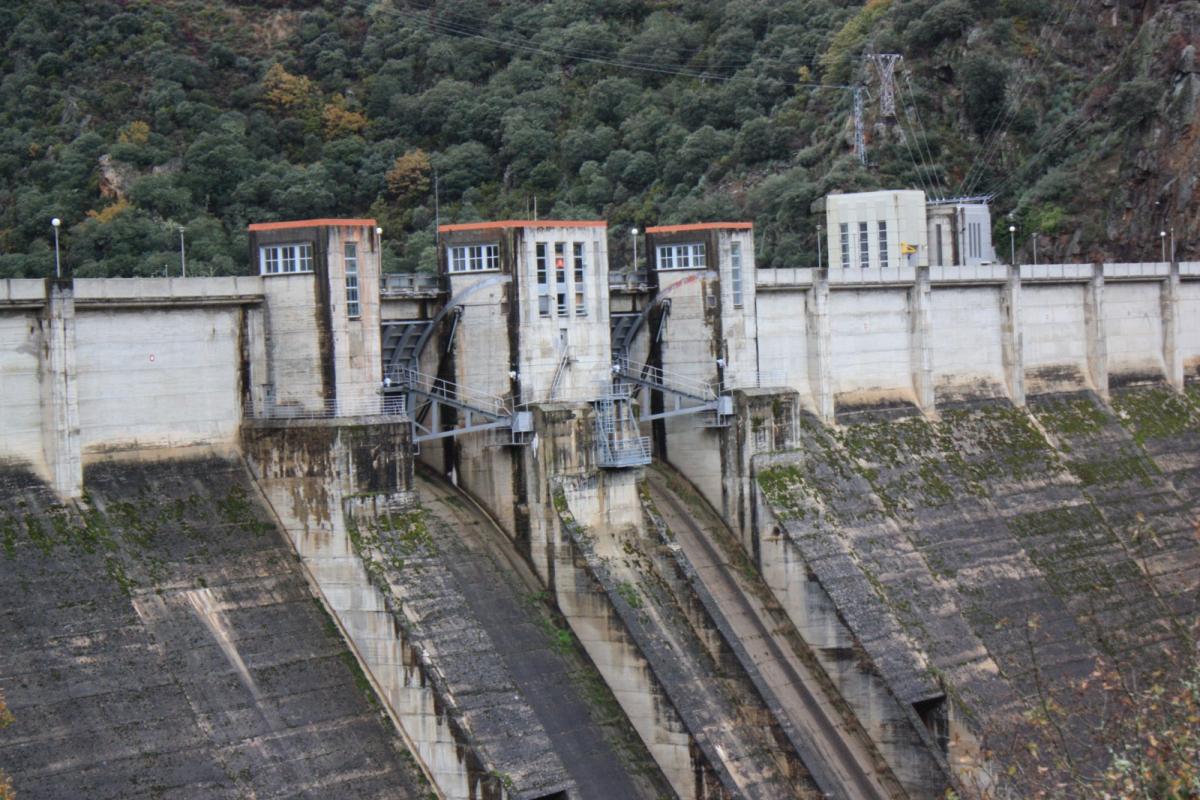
842, 763
507, 599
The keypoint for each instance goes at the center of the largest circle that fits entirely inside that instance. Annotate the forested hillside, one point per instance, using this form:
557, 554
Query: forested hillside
130, 118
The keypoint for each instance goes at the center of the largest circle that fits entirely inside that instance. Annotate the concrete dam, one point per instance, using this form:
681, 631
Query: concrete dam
534, 529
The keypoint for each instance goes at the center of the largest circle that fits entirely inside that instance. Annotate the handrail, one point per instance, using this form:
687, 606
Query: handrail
381, 405
439, 387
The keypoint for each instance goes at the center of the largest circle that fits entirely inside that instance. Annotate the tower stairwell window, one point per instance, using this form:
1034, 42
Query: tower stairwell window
735, 272
883, 244
845, 232
350, 253
864, 246
543, 281
560, 278
580, 263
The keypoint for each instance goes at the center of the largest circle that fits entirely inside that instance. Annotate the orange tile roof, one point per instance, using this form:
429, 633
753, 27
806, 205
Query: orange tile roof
312, 223
523, 223
702, 226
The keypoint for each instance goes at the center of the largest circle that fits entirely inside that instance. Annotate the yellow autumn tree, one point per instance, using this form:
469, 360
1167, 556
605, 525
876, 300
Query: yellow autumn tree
136, 132
339, 121
291, 95
408, 179
110, 212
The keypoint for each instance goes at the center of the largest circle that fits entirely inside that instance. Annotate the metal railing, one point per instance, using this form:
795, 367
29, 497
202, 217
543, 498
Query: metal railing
619, 453
628, 280
401, 283
383, 405
680, 384
765, 379
434, 386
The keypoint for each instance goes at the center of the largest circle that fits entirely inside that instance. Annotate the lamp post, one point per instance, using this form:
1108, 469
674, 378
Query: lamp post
55, 223
1033, 238
182, 260
819, 247
634, 233
1162, 240
1012, 244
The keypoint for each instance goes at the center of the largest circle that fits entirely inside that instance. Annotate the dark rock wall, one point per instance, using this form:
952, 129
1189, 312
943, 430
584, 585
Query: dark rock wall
161, 640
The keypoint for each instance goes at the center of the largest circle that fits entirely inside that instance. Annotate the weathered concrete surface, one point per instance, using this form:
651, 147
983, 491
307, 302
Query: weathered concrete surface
806, 707
735, 756
1008, 553
501, 595
409, 560
165, 643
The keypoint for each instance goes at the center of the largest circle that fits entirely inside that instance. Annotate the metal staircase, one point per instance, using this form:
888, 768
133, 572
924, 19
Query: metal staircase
564, 363
619, 443
688, 396
429, 397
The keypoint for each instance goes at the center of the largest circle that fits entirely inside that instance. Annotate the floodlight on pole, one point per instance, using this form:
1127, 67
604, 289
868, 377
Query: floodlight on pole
1012, 244
1162, 238
55, 223
634, 233
182, 259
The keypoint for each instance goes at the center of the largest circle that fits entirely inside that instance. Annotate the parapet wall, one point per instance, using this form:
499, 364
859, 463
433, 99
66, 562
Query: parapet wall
100, 365
929, 337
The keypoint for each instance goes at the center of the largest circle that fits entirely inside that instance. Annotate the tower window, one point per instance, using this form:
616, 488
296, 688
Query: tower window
883, 244
864, 246
735, 272
350, 252
280, 259
475, 258
543, 281
845, 230
682, 256
560, 277
580, 280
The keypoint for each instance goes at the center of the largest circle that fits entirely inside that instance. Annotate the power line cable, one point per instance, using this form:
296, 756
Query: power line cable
998, 129
935, 177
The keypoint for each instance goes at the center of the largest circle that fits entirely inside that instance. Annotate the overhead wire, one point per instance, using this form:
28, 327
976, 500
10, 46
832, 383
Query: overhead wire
935, 176
995, 135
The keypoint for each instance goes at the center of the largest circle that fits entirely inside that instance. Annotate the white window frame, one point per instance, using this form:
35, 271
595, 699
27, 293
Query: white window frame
285, 258
350, 262
579, 276
542, 277
883, 244
689, 255
735, 273
845, 232
562, 277
473, 258
864, 245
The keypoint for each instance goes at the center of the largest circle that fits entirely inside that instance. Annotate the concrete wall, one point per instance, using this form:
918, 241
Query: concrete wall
158, 377
1054, 330
1189, 332
873, 338
99, 365
870, 348
1133, 330
20, 388
966, 342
